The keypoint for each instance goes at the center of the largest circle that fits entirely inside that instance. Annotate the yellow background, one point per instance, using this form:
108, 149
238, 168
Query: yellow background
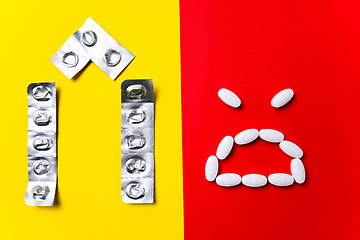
89, 204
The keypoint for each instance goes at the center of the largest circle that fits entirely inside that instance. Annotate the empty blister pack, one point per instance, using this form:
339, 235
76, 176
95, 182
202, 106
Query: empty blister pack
42, 153
92, 42
137, 141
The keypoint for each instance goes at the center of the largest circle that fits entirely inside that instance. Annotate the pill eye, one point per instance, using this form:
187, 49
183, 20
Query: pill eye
41, 93
135, 141
70, 59
40, 193
135, 116
135, 165
112, 57
89, 38
41, 167
42, 143
136, 91
135, 190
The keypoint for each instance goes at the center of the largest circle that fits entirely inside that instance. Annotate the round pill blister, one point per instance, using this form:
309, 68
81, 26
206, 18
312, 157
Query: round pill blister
70, 59
89, 38
112, 57
135, 190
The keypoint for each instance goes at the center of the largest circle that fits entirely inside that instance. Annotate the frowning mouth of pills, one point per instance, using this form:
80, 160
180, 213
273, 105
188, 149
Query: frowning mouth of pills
249, 135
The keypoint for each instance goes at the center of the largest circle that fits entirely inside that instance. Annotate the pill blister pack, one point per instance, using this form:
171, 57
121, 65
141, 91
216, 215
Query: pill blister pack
92, 42
42, 153
137, 141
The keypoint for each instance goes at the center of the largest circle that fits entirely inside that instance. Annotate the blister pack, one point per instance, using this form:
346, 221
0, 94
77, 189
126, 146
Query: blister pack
42, 153
137, 141
92, 42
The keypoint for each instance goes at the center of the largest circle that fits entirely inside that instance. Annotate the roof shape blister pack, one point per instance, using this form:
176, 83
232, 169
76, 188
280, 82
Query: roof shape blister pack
92, 42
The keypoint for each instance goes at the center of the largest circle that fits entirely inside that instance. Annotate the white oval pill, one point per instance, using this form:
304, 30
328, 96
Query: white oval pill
228, 179
282, 98
229, 98
211, 168
224, 147
281, 179
271, 135
246, 136
254, 180
291, 149
297, 170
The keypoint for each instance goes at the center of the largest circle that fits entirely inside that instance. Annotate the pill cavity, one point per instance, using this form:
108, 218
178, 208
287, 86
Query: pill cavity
224, 147
70, 59
282, 98
135, 141
89, 38
229, 98
281, 179
254, 180
135, 190
112, 57
297, 170
271, 135
41, 93
136, 91
291, 149
42, 118
211, 168
135, 165
135, 116
40, 193
246, 136
228, 180
42, 143
41, 167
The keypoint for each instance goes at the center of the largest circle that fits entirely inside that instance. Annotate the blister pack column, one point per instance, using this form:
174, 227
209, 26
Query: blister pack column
42, 151
137, 141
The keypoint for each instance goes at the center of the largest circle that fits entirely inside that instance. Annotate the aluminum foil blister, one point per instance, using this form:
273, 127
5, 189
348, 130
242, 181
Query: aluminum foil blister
137, 141
42, 147
92, 42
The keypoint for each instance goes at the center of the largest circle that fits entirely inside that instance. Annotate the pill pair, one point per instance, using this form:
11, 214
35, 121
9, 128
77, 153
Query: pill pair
279, 100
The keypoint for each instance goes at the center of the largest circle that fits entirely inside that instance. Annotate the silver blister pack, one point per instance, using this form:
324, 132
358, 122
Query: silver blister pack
92, 42
42, 147
137, 141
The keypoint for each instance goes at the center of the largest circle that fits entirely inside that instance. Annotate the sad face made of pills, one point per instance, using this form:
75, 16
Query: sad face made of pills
247, 136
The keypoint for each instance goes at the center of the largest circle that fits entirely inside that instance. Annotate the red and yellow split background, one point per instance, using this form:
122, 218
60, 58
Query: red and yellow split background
190, 49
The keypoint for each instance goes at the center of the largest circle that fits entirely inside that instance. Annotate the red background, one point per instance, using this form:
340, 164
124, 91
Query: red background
256, 49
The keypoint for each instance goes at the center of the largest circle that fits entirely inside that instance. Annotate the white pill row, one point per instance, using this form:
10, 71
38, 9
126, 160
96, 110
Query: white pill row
255, 180
279, 100
249, 135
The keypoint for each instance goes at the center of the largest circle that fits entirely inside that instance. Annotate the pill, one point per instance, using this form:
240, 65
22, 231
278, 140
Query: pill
229, 98
228, 180
271, 135
254, 180
246, 136
281, 179
211, 168
282, 98
297, 170
224, 147
291, 149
